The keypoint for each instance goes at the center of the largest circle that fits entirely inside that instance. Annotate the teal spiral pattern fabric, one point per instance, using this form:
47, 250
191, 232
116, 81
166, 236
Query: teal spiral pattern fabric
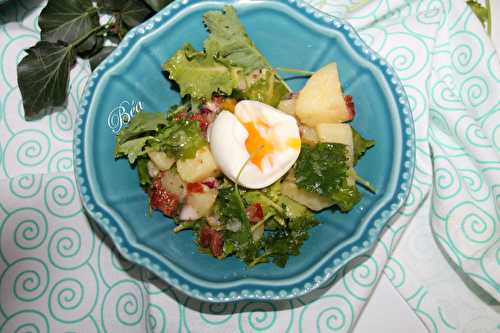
60, 273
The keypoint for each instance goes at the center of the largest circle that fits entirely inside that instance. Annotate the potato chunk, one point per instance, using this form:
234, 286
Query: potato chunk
203, 202
171, 182
199, 168
321, 99
311, 200
335, 133
288, 106
161, 160
309, 135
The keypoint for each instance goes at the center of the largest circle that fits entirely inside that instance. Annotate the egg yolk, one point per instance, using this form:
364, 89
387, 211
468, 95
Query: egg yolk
259, 147
293, 143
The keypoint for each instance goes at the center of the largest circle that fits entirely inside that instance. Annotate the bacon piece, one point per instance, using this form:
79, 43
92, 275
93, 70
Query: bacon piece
212, 239
211, 183
163, 200
205, 235
255, 213
180, 116
217, 99
350, 105
216, 243
202, 119
195, 188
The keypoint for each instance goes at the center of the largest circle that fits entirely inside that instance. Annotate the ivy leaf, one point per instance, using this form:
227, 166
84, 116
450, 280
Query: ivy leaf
42, 77
481, 12
157, 5
97, 48
110, 5
134, 12
68, 21
97, 58
131, 12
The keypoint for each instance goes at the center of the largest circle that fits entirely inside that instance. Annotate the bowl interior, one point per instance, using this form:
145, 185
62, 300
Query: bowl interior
286, 38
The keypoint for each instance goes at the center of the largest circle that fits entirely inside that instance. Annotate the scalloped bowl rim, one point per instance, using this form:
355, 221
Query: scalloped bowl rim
135, 252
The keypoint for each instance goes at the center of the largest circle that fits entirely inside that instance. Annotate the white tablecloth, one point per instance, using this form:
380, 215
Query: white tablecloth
58, 273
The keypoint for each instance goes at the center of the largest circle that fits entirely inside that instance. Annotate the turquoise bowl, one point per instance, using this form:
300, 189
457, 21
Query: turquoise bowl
289, 34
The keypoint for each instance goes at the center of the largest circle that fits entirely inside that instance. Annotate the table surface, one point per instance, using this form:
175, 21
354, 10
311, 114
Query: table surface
385, 301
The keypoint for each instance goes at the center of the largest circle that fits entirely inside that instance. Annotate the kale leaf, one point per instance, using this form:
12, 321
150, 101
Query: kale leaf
361, 145
144, 123
283, 243
288, 222
229, 42
142, 171
182, 139
199, 75
323, 169
132, 148
267, 89
238, 239
228, 60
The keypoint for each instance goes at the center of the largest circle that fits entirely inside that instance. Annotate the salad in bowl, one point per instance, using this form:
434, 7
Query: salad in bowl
244, 162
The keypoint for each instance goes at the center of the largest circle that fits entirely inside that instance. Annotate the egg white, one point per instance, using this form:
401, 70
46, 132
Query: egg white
227, 139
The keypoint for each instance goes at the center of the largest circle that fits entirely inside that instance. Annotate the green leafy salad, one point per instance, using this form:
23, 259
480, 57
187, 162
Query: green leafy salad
244, 162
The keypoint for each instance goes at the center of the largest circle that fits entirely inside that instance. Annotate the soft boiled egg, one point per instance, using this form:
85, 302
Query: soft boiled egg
255, 145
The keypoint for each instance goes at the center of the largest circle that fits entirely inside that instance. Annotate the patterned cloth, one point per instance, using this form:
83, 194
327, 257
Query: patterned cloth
60, 273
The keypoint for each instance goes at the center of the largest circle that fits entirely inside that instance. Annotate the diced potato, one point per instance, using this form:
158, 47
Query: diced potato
321, 99
311, 200
309, 135
188, 213
337, 133
161, 160
202, 202
288, 106
257, 232
152, 169
199, 168
171, 181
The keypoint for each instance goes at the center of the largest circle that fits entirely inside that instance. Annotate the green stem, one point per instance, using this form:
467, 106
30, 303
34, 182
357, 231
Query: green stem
273, 204
184, 226
90, 33
236, 188
488, 8
294, 71
255, 226
260, 259
280, 221
365, 184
